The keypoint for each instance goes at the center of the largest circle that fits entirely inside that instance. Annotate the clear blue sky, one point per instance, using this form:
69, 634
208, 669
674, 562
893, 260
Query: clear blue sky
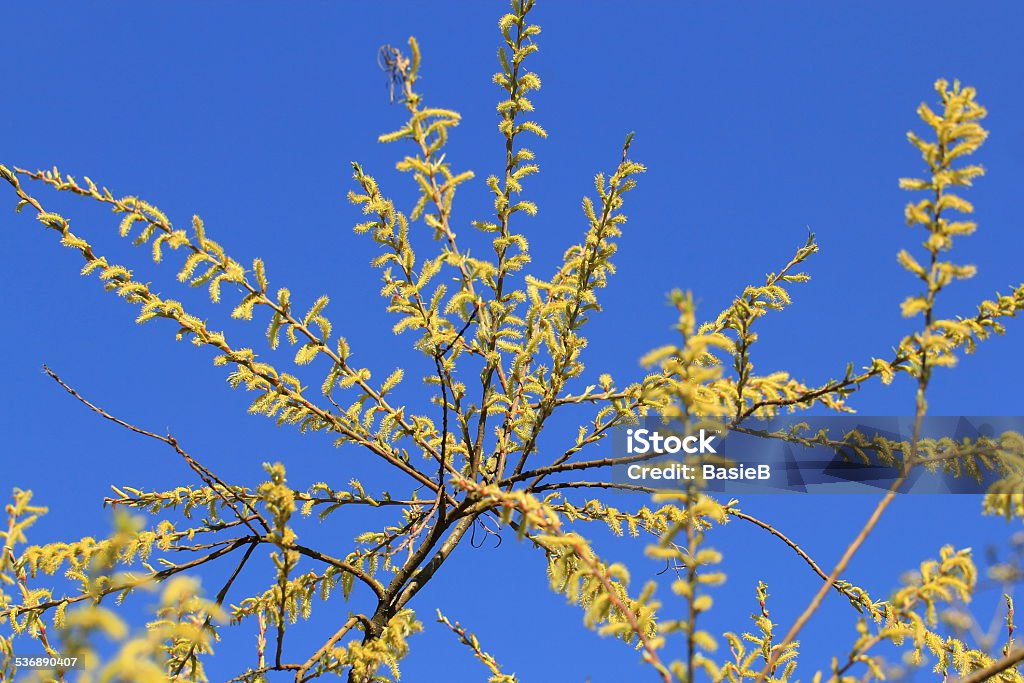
756, 121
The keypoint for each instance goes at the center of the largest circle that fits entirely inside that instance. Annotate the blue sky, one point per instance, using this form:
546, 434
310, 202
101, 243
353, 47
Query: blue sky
757, 122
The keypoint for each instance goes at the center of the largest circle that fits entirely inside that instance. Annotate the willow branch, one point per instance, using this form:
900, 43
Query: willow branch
355, 571
300, 674
157, 577
208, 477
222, 345
792, 544
1007, 662
221, 595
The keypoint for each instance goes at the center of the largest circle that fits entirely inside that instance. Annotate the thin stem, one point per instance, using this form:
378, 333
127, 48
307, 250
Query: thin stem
1007, 662
792, 544
221, 595
208, 477
300, 674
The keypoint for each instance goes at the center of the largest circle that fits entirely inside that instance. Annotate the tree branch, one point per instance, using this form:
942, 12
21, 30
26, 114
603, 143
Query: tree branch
208, 477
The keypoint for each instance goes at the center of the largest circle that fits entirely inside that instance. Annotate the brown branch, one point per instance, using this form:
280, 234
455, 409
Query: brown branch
158, 576
419, 579
586, 555
1007, 662
792, 544
470, 641
438, 507
573, 466
23, 586
263, 670
504, 217
221, 595
125, 207
856, 656
282, 607
355, 571
600, 573
555, 486
595, 435
300, 674
145, 296
831, 579
206, 475
923, 376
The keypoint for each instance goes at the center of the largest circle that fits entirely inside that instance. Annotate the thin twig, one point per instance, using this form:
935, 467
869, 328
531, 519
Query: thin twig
219, 601
300, 675
208, 477
792, 544
355, 571
1007, 662
130, 585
